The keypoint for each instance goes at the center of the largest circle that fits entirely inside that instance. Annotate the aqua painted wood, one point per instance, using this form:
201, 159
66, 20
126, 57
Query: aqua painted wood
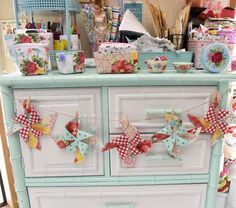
217, 153
91, 79
15, 149
105, 107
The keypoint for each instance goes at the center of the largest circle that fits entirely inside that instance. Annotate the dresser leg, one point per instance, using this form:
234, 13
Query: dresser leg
7, 101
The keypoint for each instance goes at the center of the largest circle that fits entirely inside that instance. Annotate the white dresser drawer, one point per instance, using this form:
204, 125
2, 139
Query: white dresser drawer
195, 159
165, 196
50, 160
145, 106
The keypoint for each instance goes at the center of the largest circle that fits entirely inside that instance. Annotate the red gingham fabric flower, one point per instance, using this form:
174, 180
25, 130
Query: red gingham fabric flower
215, 119
126, 148
28, 120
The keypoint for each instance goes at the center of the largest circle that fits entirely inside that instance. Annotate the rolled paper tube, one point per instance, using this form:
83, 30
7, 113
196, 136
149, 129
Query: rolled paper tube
114, 29
113, 36
115, 17
115, 12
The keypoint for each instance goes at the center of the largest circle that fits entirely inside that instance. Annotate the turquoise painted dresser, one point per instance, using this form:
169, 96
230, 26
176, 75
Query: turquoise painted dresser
49, 178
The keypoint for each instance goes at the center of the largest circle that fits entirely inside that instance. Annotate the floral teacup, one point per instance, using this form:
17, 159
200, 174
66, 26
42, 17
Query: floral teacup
157, 65
182, 67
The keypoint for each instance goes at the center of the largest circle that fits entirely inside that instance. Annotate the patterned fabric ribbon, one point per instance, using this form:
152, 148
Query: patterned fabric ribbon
215, 120
29, 129
77, 144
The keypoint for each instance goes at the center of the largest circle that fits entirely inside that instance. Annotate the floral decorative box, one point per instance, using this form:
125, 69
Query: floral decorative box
44, 39
32, 60
69, 62
113, 63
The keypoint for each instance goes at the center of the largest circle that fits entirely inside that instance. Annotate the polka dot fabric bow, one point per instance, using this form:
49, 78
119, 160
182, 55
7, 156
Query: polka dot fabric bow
213, 123
175, 135
33, 126
129, 145
75, 140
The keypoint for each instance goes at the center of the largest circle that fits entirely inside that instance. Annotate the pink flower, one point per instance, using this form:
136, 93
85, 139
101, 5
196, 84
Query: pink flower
217, 58
184, 67
233, 65
31, 67
26, 39
29, 50
163, 58
122, 66
79, 67
210, 55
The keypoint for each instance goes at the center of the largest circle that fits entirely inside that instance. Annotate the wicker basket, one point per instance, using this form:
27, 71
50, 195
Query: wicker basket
45, 5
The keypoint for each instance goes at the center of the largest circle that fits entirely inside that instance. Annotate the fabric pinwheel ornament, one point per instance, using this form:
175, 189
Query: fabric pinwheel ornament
31, 126
214, 122
76, 141
129, 145
175, 135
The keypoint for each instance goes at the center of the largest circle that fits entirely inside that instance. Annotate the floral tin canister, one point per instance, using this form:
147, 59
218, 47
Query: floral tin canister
216, 58
32, 59
70, 62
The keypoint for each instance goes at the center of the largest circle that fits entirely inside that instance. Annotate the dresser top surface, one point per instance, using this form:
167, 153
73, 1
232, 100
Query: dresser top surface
91, 79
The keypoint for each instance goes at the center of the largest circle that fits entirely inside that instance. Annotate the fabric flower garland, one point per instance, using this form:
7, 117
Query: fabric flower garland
214, 122
31, 126
129, 145
175, 135
76, 140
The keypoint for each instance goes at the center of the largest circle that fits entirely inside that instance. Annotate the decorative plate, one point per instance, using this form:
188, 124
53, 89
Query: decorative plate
216, 58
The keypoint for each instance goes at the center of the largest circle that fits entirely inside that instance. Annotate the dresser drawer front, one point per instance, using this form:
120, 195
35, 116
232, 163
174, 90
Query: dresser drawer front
145, 106
195, 159
178, 196
50, 160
